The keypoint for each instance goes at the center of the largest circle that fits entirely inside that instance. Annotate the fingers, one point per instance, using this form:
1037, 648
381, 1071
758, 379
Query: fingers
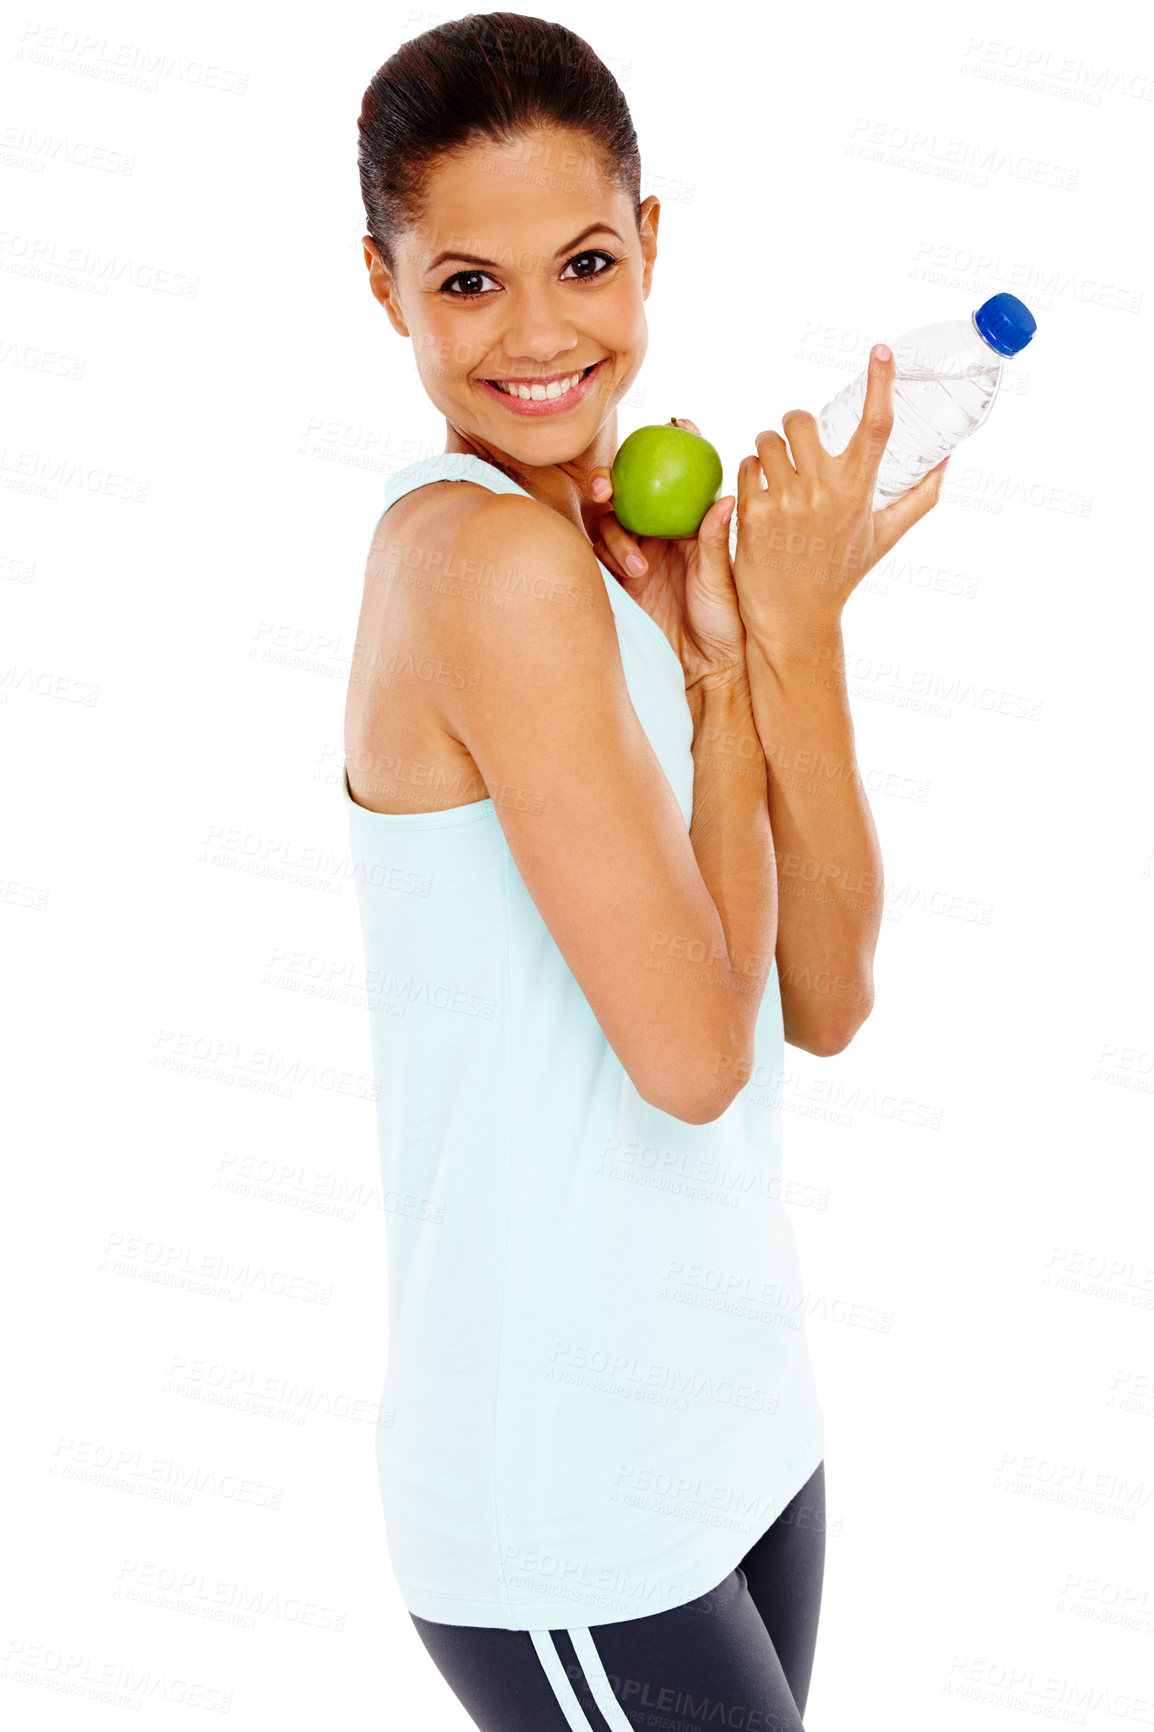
871, 435
613, 545
605, 551
801, 431
713, 536
622, 546
717, 517
749, 482
891, 523
714, 526
608, 560
773, 456
804, 453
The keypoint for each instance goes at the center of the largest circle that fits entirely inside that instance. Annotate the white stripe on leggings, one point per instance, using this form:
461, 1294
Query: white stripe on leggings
598, 1681
562, 1688
595, 1673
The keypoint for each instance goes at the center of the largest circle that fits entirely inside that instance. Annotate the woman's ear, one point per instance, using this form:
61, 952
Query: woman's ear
383, 285
650, 217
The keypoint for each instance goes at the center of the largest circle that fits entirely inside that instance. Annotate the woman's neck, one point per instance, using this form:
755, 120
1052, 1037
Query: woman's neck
564, 487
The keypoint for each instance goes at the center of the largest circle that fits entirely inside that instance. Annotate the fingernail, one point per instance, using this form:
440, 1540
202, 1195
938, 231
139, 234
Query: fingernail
635, 564
600, 487
882, 352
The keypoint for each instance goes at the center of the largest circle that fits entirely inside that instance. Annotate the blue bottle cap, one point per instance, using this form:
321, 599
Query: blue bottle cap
1006, 323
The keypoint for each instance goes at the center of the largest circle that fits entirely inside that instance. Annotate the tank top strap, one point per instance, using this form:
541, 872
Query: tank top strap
447, 466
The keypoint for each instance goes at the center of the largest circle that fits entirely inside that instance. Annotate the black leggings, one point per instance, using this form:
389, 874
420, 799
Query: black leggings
740, 1656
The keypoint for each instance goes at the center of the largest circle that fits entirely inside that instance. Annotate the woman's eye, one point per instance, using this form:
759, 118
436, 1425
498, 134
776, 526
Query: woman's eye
608, 257
475, 277
464, 277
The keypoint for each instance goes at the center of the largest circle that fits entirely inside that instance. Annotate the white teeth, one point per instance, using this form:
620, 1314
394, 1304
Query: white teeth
541, 393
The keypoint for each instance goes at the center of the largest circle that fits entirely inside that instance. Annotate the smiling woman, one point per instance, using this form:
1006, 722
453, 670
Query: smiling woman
480, 247
599, 1391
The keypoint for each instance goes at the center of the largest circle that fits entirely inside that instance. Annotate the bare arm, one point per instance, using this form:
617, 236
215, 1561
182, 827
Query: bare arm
805, 540
829, 865
631, 898
733, 844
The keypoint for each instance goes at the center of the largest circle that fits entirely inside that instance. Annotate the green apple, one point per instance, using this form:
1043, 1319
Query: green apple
664, 481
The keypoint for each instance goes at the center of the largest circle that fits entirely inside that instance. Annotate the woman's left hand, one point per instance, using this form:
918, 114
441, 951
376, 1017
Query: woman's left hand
686, 580
807, 537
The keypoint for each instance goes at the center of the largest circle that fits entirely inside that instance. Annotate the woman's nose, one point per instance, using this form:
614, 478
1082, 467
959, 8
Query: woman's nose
538, 329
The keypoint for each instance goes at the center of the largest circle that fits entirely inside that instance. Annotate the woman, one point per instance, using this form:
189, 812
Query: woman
601, 1448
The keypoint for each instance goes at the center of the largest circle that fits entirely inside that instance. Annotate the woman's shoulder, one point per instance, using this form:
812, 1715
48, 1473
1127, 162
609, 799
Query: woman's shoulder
445, 516
473, 561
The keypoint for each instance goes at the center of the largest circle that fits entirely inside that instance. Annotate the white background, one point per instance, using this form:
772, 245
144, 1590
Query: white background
200, 400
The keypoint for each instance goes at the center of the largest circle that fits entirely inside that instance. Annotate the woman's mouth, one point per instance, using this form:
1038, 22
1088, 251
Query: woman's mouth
566, 393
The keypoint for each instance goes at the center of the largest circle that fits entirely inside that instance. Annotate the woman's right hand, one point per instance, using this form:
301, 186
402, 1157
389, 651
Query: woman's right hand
687, 586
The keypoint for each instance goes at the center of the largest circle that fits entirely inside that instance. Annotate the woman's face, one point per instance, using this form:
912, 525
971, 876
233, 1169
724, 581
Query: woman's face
527, 270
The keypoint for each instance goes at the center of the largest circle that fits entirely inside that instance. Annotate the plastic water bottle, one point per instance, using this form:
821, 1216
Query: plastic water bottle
946, 378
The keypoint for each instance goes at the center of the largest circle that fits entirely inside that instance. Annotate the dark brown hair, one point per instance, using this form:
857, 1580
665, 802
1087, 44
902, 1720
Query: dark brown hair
490, 75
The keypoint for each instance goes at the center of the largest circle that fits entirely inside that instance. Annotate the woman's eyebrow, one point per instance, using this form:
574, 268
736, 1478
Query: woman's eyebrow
469, 259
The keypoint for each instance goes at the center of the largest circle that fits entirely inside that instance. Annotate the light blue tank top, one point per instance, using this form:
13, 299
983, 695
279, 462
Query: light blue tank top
599, 1391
